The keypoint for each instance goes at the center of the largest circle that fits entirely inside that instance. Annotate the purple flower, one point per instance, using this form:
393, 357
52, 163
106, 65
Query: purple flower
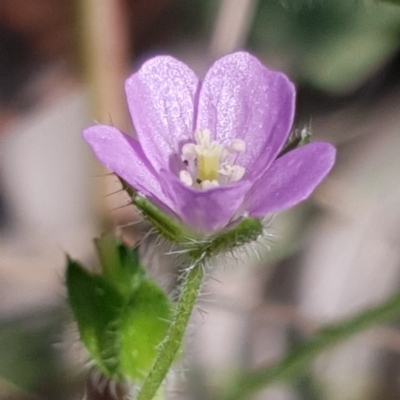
207, 151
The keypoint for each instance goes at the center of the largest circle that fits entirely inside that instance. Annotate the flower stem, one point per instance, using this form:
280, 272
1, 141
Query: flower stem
173, 341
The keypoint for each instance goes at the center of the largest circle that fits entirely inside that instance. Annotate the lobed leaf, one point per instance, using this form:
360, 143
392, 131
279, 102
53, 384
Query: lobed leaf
96, 306
122, 315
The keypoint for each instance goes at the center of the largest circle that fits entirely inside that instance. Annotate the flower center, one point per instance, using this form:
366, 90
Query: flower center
209, 163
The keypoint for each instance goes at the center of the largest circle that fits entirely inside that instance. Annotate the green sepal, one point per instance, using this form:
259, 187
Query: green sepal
163, 223
297, 138
122, 315
166, 226
247, 231
96, 306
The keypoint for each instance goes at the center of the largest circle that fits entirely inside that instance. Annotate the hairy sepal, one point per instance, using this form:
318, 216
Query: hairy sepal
195, 246
161, 222
247, 231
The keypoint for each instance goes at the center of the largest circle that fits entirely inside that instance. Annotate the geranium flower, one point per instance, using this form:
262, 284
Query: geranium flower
207, 152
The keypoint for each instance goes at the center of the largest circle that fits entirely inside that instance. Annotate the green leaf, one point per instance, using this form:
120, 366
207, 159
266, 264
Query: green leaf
144, 324
96, 306
120, 264
122, 316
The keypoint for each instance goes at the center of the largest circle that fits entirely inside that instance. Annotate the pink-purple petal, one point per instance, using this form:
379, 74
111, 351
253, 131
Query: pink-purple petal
123, 155
240, 98
205, 211
161, 98
290, 179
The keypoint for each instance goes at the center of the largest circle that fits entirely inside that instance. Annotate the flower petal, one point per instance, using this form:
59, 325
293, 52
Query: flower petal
205, 211
161, 98
123, 155
240, 98
290, 179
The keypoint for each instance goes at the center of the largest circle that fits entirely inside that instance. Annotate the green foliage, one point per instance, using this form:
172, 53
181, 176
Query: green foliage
299, 358
332, 45
96, 305
397, 2
120, 265
27, 355
122, 315
146, 327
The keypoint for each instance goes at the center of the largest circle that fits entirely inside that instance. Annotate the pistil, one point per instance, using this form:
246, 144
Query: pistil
209, 163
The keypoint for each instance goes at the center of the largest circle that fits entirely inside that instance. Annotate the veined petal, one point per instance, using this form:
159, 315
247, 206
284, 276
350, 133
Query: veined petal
240, 98
207, 210
122, 154
290, 179
161, 98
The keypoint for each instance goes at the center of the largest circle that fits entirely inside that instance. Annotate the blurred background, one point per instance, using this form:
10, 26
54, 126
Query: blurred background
62, 67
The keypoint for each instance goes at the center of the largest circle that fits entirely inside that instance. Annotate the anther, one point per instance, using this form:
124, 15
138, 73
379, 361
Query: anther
189, 152
206, 184
237, 173
237, 145
186, 178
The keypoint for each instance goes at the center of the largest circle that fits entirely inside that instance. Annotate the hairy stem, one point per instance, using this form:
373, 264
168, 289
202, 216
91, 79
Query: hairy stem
173, 341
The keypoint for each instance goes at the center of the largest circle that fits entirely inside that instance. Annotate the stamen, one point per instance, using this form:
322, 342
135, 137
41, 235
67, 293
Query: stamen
189, 152
209, 163
233, 172
237, 173
209, 184
186, 178
225, 170
203, 137
237, 145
